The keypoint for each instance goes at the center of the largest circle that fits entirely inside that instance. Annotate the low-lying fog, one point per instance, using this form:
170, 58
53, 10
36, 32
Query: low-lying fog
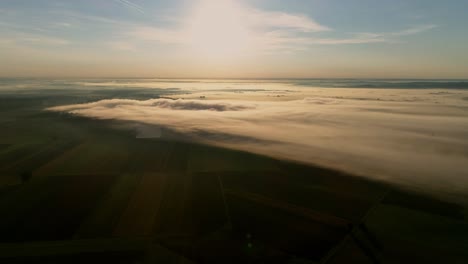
416, 138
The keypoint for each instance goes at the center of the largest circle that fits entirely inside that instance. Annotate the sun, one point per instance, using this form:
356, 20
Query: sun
217, 29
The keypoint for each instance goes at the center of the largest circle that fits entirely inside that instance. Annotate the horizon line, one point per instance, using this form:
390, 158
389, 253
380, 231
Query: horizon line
234, 78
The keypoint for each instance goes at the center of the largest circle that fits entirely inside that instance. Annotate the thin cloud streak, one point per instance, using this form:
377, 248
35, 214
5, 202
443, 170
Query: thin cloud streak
414, 30
271, 19
131, 5
284, 40
20, 38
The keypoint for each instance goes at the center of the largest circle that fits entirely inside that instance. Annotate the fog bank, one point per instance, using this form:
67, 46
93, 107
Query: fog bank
413, 138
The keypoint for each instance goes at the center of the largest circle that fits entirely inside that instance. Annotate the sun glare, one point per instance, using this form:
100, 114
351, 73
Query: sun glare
216, 30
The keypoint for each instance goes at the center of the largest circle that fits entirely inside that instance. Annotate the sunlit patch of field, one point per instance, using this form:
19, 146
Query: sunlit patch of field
139, 216
29, 163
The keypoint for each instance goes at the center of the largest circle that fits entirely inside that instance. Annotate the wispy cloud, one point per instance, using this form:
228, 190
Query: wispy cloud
131, 5
281, 20
283, 39
42, 40
84, 17
414, 30
61, 25
19, 38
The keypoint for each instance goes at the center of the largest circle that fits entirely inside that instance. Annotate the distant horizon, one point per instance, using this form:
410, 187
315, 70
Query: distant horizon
234, 78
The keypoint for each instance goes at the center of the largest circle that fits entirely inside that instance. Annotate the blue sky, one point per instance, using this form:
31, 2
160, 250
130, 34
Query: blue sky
227, 38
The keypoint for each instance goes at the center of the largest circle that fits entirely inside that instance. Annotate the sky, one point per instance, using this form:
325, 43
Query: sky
234, 39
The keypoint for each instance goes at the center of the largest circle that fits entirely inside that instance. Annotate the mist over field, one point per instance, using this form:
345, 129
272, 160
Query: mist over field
414, 138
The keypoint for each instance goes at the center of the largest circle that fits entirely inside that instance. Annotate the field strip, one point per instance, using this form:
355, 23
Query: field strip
138, 217
107, 213
17, 153
185, 198
291, 208
173, 204
43, 149
48, 167
69, 247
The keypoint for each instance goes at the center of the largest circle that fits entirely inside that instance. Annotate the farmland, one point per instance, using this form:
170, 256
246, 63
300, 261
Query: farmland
78, 190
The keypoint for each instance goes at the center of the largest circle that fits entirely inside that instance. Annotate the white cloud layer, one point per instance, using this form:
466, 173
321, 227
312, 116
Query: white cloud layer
415, 138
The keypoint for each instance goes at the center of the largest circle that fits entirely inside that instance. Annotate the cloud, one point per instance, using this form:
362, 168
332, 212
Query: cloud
19, 38
189, 105
131, 5
378, 133
414, 30
98, 20
281, 20
43, 40
198, 105
283, 39
18, 34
